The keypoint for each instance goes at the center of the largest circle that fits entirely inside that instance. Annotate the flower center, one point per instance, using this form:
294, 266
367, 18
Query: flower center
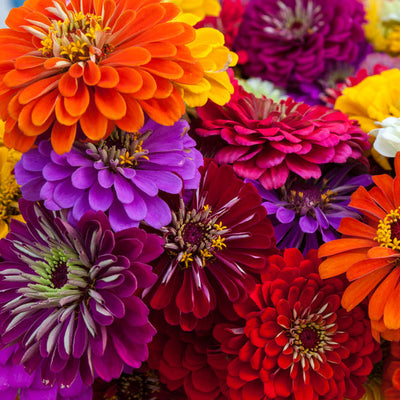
137, 386
77, 38
194, 236
9, 195
295, 23
388, 232
120, 149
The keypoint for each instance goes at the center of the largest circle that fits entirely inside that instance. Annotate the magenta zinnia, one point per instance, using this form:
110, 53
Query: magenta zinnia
68, 295
296, 342
214, 245
264, 140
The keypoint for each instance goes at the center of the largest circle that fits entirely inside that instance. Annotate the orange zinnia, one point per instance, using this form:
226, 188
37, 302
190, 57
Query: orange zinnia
92, 65
369, 254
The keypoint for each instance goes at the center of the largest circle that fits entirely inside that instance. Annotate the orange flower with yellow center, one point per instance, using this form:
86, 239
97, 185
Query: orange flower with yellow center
369, 254
90, 66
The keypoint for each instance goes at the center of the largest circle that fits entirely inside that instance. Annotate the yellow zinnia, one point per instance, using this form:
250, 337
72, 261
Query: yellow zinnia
200, 8
9, 189
373, 100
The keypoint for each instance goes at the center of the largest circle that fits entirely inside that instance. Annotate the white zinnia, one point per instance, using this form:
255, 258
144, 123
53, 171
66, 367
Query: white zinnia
387, 142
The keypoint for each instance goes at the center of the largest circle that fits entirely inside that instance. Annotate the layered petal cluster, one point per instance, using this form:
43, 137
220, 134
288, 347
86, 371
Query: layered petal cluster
215, 246
15, 380
264, 140
68, 295
369, 254
90, 66
296, 341
291, 42
121, 175
305, 213
191, 361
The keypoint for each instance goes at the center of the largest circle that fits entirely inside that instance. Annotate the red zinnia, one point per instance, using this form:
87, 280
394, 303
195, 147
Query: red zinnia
265, 141
296, 341
391, 373
213, 248
93, 64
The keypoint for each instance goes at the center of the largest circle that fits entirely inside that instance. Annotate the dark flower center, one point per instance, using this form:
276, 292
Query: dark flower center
395, 227
138, 386
120, 149
194, 236
309, 337
59, 276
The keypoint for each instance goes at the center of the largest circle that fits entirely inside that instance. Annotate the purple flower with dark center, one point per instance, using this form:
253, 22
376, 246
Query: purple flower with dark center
294, 42
14, 379
68, 295
121, 175
306, 213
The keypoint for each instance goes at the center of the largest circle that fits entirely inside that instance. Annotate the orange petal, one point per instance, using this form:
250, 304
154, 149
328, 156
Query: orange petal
340, 263
164, 88
93, 123
379, 298
381, 199
109, 77
130, 57
16, 78
364, 267
193, 73
62, 115
26, 62
341, 245
164, 68
134, 118
165, 31
382, 252
44, 108
148, 87
124, 21
359, 289
17, 140
110, 103
363, 201
56, 63
385, 182
147, 17
107, 10
352, 227
91, 74
76, 70
14, 107
62, 137
130, 81
77, 105
396, 191
37, 89
397, 164
25, 123
161, 49
68, 85
171, 11
391, 312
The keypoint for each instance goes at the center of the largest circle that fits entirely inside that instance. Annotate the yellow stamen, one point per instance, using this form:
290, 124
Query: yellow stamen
384, 231
218, 243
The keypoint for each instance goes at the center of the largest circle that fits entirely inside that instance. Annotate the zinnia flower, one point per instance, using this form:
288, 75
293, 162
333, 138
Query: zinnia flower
369, 254
293, 42
265, 141
15, 380
296, 342
68, 295
200, 8
122, 174
391, 373
93, 65
305, 213
214, 245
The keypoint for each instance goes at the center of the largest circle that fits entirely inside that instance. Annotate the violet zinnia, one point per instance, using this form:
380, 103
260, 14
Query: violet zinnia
264, 140
291, 42
14, 379
68, 295
215, 246
121, 175
306, 213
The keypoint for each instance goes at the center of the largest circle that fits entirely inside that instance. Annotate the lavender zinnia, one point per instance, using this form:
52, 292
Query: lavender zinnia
121, 175
305, 213
68, 295
294, 42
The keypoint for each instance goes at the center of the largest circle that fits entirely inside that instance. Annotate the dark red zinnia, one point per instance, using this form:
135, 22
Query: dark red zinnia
215, 246
297, 342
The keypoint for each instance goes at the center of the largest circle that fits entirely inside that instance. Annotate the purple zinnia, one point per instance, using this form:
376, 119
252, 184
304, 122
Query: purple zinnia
14, 379
305, 213
121, 175
68, 295
293, 42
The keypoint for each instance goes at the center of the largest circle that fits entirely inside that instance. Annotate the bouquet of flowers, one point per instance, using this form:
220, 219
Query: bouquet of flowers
200, 200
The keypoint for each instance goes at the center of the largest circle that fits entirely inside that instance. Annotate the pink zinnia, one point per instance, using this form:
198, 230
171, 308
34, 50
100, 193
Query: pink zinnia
264, 140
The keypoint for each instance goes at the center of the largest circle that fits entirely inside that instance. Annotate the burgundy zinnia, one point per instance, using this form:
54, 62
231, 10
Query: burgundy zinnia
297, 342
291, 42
264, 140
213, 247
68, 295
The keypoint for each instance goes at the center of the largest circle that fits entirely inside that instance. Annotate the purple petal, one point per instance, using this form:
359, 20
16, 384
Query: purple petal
136, 210
119, 219
65, 195
105, 178
54, 172
308, 224
34, 161
123, 189
100, 199
145, 184
321, 218
31, 190
285, 215
158, 212
80, 207
84, 177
